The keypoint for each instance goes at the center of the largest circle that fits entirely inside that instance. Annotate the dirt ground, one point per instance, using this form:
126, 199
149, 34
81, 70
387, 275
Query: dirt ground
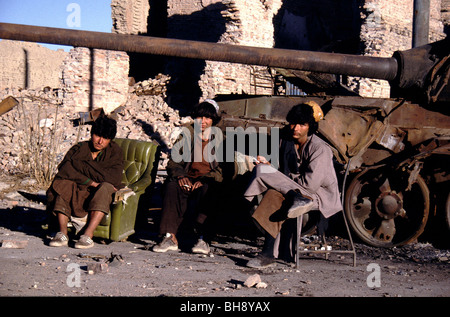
130, 268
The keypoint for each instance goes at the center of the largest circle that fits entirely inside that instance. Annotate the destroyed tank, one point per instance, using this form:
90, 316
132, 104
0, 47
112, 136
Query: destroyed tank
394, 152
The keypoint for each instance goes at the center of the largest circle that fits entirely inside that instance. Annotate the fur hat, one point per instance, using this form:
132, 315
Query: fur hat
318, 113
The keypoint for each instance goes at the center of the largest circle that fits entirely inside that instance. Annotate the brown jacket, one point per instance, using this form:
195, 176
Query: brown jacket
78, 170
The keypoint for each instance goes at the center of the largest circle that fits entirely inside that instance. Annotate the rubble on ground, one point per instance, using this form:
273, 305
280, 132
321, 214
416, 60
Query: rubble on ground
145, 116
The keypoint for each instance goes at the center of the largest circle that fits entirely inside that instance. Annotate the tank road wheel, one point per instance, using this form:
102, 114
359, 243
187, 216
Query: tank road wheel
383, 211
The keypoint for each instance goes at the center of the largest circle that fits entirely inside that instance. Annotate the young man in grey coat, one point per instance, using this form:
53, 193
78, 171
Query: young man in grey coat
305, 178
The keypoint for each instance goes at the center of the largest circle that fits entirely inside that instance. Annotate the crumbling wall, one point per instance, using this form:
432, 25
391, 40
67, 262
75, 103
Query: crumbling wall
29, 65
231, 21
86, 80
95, 79
445, 14
248, 23
145, 116
369, 27
130, 16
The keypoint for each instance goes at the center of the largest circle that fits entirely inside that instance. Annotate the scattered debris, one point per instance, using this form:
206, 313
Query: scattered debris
252, 280
7, 104
152, 86
14, 244
101, 267
95, 257
145, 116
286, 292
93, 268
115, 260
261, 285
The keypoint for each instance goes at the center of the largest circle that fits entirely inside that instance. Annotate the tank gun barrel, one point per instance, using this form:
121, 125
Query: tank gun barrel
343, 64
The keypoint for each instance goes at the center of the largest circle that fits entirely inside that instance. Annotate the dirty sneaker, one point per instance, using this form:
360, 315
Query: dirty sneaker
300, 206
201, 247
169, 243
84, 242
59, 240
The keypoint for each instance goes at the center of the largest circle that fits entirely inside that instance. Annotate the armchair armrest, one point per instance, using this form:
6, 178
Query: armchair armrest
140, 185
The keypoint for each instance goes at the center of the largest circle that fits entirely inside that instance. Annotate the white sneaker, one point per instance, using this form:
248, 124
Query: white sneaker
59, 240
201, 247
169, 243
84, 242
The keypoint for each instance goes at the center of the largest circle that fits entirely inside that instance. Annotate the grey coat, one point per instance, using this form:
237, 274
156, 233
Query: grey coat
311, 172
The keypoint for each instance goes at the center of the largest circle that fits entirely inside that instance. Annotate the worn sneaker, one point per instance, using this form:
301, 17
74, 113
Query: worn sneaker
201, 247
169, 243
59, 240
84, 242
300, 206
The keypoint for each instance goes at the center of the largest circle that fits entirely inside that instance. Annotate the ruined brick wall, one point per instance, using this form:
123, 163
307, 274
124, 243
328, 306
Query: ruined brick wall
249, 23
130, 16
231, 21
29, 65
86, 80
445, 14
363, 27
95, 79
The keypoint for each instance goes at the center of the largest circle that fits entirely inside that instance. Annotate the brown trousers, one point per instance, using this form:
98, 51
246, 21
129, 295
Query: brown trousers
97, 199
271, 215
176, 202
266, 212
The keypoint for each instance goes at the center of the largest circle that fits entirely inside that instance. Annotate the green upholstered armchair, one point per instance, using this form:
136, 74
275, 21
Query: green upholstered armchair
140, 166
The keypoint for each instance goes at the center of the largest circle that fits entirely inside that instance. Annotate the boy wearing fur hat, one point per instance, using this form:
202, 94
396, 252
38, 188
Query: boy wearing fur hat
306, 178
